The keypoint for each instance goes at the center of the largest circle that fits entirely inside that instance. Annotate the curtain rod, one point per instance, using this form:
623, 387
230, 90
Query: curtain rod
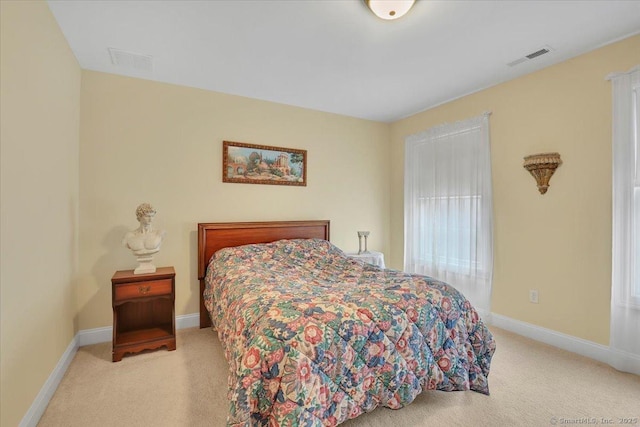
613, 75
436, 128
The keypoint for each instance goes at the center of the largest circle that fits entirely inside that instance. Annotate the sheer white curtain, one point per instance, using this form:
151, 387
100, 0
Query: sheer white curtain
625, 289
448, 225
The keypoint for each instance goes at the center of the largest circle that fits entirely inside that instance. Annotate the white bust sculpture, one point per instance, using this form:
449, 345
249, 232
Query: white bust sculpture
144, 241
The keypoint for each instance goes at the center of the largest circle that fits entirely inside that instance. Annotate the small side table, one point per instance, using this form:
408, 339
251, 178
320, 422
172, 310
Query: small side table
373, 257
143, 311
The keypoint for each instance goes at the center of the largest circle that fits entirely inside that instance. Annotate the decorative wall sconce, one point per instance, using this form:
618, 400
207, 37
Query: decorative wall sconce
542, 166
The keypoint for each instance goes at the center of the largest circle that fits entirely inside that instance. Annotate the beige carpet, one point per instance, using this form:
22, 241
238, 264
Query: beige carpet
532, 384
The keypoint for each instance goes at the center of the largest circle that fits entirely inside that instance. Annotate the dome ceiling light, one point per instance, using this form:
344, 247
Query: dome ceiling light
389, 9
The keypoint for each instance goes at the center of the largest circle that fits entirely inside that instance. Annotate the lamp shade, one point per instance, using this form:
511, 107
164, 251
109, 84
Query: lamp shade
389, 9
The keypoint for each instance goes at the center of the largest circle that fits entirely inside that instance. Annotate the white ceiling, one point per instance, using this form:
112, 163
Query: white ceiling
335, 55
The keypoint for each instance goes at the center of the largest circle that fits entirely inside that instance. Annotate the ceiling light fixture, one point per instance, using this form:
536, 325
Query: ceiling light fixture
389, 9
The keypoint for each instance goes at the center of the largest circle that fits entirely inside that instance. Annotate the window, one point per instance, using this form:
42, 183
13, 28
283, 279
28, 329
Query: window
625, 277
635, 215
448, 208
626, 190
448, 238
636, 238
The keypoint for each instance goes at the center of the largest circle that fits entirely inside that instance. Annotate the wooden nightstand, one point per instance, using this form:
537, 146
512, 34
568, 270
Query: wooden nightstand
143, 311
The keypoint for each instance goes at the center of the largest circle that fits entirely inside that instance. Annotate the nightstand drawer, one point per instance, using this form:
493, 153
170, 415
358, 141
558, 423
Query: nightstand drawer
142, 289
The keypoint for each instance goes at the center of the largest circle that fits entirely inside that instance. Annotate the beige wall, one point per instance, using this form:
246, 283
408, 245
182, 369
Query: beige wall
147, 141
144, 141
559, 243
39, 112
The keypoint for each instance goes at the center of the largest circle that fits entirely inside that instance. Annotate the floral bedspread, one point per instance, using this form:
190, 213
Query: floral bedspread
314, 337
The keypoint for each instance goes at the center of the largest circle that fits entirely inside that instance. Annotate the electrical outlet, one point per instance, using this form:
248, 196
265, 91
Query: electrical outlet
533, 296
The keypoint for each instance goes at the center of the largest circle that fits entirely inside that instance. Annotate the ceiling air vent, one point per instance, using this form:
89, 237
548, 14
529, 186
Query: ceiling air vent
532, 55
538, 53
130, 60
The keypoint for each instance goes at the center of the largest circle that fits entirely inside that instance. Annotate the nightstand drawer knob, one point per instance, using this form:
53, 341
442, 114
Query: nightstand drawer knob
144, 289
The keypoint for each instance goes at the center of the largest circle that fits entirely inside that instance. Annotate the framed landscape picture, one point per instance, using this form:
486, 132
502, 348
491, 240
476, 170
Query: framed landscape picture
261, 164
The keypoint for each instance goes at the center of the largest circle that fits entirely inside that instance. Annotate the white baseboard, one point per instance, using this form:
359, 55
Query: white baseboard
82, 338
95, 336
37, 408
105, 334
185, 321
629, 362
626, 361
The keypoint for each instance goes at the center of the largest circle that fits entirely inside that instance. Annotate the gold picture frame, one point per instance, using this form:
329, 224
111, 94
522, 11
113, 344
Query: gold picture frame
262, 164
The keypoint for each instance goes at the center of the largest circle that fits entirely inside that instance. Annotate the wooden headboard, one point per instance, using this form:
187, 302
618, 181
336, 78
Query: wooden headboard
215, 236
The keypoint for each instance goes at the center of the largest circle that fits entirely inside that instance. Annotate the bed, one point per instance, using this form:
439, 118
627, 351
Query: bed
314, 337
